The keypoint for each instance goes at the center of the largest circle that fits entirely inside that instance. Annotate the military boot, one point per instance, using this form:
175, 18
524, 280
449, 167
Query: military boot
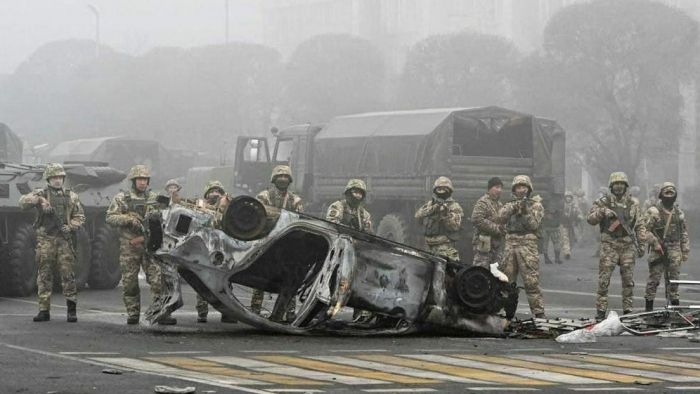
202, 319
675, 302
600, 315
168, 321
132, 320
648, 305
72, 316
547, 260
42, 316
540, 316
557, 258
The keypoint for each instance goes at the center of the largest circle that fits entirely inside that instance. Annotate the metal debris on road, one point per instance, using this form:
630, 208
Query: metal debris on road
112, 371
174, 390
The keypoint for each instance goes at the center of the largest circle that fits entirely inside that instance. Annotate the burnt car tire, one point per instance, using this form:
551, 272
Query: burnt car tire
105, 272
479, 290
20, 271
393, 228
81, 266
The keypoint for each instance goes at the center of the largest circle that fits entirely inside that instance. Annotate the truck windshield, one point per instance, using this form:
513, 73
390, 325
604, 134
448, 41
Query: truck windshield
284, 150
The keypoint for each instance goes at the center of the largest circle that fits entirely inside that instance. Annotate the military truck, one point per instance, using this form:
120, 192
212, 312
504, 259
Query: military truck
400, 154
97, 251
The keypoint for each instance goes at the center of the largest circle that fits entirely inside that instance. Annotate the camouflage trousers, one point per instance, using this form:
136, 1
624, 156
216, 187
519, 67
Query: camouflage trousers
202, 306
565, 240
131, 260
258, 297
54, 251
553, 235
485, 259
670, 268
446, 250
616, 252
521, 256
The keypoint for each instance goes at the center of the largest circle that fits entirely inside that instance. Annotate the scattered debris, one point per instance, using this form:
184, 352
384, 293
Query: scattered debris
174, 390
112, 371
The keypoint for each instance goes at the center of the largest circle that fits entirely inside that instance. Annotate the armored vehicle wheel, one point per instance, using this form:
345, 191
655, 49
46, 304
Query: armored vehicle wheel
105, 272
394, 228
81, 265
19, 273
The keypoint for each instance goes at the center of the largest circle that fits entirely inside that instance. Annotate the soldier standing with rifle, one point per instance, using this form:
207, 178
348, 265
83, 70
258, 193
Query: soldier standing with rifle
442, 220
127, 212
571, 217
667, 234
60, 217
622, 231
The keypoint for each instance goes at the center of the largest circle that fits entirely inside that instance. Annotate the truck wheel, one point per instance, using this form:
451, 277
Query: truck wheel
81, 266
105, 272
20, 270
394, 228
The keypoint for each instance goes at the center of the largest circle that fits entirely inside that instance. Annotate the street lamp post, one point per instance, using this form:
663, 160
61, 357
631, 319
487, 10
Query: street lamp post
227, 21
97, 29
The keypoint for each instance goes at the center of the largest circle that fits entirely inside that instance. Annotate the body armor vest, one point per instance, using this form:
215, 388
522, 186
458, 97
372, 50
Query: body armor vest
673, 234
551, 219
140, 205
60, 205
517, 224
277, 200
351, 220
624, 213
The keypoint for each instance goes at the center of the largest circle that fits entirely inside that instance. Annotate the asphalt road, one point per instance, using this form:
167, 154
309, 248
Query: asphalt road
60, 357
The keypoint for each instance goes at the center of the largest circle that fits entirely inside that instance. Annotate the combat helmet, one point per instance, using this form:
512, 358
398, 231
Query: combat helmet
173, 182
667, 185
443, 181
522, 180
356, 184
618, 177
213, 184
54, 169
139, 171
568, 193
580, 192
281, 170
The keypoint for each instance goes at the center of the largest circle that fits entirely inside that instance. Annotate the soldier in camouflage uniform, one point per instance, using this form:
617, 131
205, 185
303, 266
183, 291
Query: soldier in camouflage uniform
571, 217
127, 212
442, 220
522, 217
551, 231
667, 235
619, 219
216, 199
602, 192
279, 197
350, 212
60, 216
487, 242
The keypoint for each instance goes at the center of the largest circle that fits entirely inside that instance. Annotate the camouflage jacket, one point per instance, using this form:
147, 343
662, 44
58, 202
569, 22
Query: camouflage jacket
530, 219
126, 206
358, 218
485, 218
275, 198
655, 221
441, 222
74, 210
219, 208
630, 205
572, 213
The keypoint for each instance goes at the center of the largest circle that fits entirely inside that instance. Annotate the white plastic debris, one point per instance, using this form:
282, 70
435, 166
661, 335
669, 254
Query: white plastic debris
498, 274
174, 390
609, 327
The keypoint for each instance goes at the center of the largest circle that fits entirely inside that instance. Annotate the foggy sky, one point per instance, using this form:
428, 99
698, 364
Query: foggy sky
129, 26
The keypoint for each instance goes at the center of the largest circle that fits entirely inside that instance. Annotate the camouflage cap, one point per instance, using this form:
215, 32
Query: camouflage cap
139, 171
665, 186
356, 184
54, 169
618, 177
213, 184
173, 182
522, 180
444, 181
634, 191
281, 170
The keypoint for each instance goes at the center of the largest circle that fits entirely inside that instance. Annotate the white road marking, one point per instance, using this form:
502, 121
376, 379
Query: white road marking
583, 293
680, 348
305, 391
269, 351
607, 368
524, 372
90, 353
684, 387
604, 389
499, 389
267, 367
416, 390
651, 360
540, 349
182, 352
102, 364
357, 350
414, 372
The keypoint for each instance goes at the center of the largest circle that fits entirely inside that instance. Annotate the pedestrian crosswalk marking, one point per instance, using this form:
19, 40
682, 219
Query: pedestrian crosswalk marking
266, 367
524, 372
418, 373
652, 360
674, 357
465, 372
630, 364
598, 375
645, 375
141, 365
344, 369
219, 369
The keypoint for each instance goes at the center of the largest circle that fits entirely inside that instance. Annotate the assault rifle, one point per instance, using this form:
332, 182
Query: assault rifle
69, 237
629, 231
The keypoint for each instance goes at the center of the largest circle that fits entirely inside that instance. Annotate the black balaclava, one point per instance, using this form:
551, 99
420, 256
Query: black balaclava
282, 183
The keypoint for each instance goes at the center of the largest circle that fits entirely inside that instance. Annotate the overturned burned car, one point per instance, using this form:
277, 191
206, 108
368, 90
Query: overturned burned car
327, 266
